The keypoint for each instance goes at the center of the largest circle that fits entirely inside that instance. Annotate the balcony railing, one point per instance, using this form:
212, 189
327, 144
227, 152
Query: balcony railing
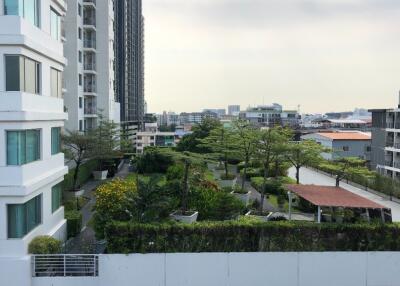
388, 163
396, 165
89, 21
67, 265
89, 1
90, 110
390, 125
91, 44
89, 66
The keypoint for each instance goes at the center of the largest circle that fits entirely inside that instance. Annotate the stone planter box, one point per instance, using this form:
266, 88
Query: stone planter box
100, 175
261, 217
227, 183
73, 194
184, 218
245, 198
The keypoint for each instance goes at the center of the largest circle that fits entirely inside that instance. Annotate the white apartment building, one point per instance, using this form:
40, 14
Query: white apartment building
31, 118
160, 139
89, 75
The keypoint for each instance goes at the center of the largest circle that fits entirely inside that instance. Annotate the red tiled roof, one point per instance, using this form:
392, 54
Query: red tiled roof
332, 197
346, 135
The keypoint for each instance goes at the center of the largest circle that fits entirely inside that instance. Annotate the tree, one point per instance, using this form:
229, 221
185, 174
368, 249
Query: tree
269, 146
223, 143
303, 153
246, 144
345, 168
192, 142
79, 148
107, 140
149, 202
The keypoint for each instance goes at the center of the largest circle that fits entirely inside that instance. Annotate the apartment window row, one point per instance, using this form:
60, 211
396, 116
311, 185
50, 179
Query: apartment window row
23, 218
23, 146
28, 9
23, 74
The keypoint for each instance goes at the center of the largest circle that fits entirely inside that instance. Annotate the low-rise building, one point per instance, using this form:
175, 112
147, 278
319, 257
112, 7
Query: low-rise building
160, 139
271, 115
343, 144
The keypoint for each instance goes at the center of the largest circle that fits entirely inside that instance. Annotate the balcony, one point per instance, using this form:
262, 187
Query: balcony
90, 110
78, 265
388, 163
89, 3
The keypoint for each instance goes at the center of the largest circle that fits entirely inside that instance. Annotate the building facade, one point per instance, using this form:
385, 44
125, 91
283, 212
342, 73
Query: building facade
129, 55
385, 145
89, 74
31, 118
271, 115
233, 110
343, 144
159, 139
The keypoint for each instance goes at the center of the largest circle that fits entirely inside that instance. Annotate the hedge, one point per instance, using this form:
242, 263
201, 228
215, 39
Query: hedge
85, 172
74, 222
44, 245
250, 236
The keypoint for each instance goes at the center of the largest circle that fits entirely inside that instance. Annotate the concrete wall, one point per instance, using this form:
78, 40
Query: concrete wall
238, 269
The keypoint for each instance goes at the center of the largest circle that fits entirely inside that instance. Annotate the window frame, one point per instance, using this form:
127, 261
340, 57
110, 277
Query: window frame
39, 150
58, 151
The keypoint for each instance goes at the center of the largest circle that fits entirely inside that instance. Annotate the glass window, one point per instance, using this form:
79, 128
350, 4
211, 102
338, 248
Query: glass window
80, 102
55, 25
80, 125
56, 195
79, 9
56, 83
28, 9
55, 140
80, 79
23, 147
80, 33
22, 74
80, 56
22, 218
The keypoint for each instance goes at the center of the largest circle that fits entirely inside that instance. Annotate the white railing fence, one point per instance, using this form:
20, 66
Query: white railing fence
65, 265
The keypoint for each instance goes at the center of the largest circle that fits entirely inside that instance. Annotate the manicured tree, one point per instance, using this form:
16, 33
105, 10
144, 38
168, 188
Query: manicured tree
345, 168
246, 143
192, 142
269, 145
303, 153
107, 140
223, 142
79, 148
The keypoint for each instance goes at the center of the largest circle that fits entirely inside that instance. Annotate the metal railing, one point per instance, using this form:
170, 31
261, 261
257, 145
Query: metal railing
65, 265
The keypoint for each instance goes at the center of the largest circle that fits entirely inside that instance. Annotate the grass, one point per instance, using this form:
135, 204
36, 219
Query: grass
146, 178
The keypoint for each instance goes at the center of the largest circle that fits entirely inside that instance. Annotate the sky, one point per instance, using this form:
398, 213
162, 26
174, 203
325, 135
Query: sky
324, 55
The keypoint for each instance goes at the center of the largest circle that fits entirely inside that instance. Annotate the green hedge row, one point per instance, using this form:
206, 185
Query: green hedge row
74, 222
85, 172
250, 236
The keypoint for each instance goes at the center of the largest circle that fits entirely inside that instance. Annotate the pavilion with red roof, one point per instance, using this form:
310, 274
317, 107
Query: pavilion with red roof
327, 196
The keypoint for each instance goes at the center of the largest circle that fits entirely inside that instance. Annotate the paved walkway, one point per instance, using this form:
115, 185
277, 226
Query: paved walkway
85, 241
308, 176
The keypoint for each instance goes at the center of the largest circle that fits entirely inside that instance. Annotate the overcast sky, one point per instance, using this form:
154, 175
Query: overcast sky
324, 55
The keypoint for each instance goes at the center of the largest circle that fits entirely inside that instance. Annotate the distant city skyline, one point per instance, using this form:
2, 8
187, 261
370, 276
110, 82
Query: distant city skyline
325, 55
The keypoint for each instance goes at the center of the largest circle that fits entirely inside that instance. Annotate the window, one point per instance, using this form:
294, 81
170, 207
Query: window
80, 56
22, 74
80, 80
55, 140
23, 147
56, 195
346, 148
55, 25
80, 102
28, 9
22, 218
80, 33
55, 83
79, 9
80, 125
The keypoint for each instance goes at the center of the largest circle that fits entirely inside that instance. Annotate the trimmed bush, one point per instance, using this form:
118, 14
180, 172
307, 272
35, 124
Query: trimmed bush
250, 236
74, 223
44, 245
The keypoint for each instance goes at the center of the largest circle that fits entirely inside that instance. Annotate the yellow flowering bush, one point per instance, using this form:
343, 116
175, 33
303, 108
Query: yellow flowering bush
112, 202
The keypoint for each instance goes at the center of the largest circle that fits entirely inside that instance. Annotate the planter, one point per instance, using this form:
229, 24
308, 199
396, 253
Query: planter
244, 198
189, 217
73, 194
258, 215
100, 175
227, 183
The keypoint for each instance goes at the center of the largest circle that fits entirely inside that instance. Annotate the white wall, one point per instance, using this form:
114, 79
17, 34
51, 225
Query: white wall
238, 269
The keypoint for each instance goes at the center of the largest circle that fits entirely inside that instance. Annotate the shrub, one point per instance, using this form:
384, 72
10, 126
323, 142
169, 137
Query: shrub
250, 236
44, 245
153, 160
74, 223
227, 177
251, 172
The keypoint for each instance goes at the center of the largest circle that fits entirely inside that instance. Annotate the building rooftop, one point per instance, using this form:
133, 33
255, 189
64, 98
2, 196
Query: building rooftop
346, 135
326, 196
